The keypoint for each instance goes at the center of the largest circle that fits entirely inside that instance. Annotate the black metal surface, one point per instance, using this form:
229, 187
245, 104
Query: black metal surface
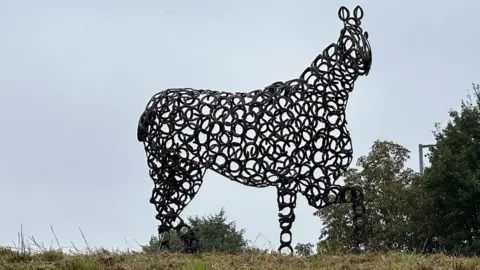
291, 135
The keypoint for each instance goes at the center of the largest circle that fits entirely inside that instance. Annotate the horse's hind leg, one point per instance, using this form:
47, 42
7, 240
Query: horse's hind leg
287, 200
176, 181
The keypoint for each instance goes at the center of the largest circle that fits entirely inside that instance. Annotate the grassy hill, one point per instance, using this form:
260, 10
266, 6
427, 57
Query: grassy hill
102, 259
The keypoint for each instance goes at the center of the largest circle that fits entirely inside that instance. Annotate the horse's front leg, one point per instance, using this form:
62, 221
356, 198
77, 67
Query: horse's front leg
355, 196
287, 200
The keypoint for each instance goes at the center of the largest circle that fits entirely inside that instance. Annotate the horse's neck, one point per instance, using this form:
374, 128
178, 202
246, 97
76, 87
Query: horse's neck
333, 93
321, 84
321, 70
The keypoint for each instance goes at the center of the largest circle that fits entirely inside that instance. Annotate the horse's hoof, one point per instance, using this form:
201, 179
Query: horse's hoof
355, 250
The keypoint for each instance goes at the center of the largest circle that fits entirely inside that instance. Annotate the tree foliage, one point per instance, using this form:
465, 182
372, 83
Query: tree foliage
449, 218
304, 250
386, 182
215, 234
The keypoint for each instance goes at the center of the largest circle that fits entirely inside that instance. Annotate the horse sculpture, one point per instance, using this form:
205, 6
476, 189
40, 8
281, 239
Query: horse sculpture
291, 135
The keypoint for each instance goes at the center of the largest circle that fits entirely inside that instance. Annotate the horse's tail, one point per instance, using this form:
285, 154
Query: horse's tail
142, 129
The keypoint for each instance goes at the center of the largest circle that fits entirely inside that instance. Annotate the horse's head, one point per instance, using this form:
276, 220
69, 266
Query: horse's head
353, 48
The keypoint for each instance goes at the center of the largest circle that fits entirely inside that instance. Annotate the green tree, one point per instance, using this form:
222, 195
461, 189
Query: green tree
214, 232
449, 217
173, 243
304, 250
386, 183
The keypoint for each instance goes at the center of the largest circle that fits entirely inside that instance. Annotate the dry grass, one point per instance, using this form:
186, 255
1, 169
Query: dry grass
29, 254
102, 259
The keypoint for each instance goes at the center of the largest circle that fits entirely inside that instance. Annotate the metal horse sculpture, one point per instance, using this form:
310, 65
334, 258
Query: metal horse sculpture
291, 135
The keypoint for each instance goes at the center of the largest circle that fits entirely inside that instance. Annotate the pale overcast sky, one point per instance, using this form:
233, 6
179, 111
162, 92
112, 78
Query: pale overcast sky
76, 75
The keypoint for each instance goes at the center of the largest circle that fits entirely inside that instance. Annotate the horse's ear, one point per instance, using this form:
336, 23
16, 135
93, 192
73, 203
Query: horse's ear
358, 13
343, 14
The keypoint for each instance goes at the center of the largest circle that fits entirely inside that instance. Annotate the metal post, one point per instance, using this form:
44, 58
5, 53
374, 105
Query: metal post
420, 155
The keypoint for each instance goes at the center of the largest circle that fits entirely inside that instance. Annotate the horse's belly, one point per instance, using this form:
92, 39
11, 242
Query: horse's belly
254, 165
235, 149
